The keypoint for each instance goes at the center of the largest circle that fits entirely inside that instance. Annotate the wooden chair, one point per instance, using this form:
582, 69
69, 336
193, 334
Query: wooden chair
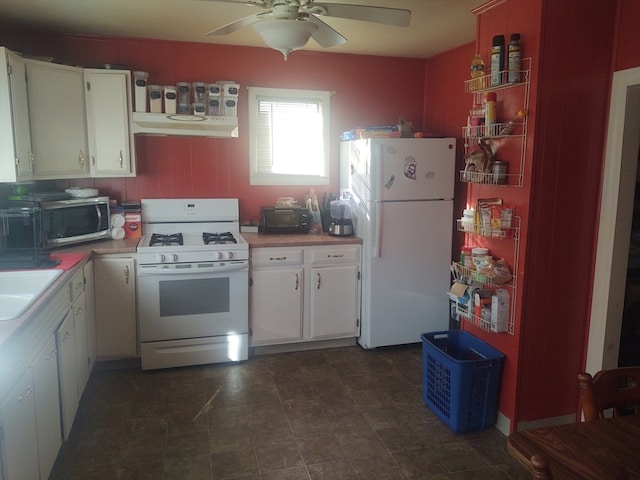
614, 388
540, 468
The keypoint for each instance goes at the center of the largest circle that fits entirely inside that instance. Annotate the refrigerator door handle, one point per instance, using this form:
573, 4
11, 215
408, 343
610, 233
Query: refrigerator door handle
377, 246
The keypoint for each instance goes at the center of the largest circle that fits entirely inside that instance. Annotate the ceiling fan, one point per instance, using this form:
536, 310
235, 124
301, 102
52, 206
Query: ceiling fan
287, 25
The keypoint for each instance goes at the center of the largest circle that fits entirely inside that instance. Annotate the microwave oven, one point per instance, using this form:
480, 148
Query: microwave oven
76, 220
284, 220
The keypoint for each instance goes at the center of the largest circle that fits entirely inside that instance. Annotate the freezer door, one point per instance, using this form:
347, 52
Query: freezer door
404, 287
413, 169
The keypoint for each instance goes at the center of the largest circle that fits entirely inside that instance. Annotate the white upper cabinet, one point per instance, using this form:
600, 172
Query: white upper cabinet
108, 101
15, 136
58, 121
58, 124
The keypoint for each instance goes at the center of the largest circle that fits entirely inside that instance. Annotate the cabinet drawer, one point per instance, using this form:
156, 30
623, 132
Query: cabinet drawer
77, 285
333, 255
273, 257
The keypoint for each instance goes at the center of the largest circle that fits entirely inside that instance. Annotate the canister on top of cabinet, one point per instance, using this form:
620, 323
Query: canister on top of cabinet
155, 98
170, 99
140, 82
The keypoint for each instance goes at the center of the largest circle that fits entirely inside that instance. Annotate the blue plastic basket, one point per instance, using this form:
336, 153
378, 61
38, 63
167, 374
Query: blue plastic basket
461, 379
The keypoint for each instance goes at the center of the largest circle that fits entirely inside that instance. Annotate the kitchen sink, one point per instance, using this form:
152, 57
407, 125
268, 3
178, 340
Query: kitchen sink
19, 289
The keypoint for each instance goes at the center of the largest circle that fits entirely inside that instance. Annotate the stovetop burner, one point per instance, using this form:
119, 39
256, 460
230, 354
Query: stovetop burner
166, 240
218, 238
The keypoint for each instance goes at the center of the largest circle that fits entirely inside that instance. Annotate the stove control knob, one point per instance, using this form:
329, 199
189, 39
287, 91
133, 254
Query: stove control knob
160, 258
174, 257
218, 255
227, 255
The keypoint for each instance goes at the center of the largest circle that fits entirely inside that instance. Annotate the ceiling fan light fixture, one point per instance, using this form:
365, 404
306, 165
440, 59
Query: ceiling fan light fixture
285, 35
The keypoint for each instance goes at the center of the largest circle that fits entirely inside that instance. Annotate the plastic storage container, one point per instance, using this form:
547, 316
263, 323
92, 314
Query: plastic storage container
461, 379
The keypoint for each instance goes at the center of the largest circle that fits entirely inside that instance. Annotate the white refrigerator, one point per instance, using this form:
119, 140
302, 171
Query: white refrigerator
402, 193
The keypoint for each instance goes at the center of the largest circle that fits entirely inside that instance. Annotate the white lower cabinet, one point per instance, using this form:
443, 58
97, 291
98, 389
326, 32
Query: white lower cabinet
19, 433
304, 294
276, 305
334, 302
43, 372
67, 370
47, 405
115, 295
90, 312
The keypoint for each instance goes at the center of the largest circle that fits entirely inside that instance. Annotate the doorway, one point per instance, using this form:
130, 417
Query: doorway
616, 211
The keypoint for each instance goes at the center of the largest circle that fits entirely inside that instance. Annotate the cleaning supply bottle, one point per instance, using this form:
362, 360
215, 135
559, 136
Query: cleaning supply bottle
490, 111
514, 56
497, 59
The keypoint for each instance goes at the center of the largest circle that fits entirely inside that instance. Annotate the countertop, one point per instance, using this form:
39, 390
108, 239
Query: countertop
256, 240
74, 257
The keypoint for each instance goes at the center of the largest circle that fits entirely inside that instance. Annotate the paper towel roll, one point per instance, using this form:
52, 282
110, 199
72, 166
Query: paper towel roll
117, 220
117, 233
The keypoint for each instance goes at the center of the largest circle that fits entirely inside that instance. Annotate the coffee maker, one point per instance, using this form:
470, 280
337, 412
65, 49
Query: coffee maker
341, 218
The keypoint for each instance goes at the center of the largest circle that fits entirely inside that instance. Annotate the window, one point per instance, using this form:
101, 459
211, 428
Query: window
289, 136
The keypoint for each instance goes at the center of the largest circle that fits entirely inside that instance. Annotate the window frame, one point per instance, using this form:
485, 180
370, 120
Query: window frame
255, 94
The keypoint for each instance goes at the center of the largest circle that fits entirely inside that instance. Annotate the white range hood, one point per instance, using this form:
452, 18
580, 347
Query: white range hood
186, 125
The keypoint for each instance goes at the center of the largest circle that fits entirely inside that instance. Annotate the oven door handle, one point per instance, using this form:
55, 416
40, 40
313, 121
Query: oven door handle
153, 270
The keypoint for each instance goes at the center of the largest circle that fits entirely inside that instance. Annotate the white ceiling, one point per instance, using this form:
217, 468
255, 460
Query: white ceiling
436, 25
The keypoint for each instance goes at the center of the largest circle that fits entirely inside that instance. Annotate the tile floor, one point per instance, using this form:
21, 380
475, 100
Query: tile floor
333, 414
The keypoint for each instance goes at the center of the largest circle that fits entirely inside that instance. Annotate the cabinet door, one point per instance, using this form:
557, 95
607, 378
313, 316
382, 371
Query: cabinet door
47, 404
90, 312
115, 306
81, 335
15, 134
108, 98
67, 371
276, 305
333, 294
19, 436
57, 115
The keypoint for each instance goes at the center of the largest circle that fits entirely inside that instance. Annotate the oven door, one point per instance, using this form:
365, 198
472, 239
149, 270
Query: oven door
188, 301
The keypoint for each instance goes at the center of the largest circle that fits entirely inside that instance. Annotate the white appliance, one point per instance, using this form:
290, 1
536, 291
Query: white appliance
192, 283
403, 210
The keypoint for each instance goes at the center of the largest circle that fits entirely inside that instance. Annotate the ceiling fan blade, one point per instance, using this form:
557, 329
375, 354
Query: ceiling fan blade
250, 3
325, 35
236, 25
389, 16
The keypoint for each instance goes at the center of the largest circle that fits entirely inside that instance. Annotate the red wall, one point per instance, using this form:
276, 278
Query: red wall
368, 90
628, 35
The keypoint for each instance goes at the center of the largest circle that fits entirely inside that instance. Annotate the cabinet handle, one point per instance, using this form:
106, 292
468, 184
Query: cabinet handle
297, 281
93, 160
121, 159
126, 274
26, 394
81, 158
277, 258
318, 284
